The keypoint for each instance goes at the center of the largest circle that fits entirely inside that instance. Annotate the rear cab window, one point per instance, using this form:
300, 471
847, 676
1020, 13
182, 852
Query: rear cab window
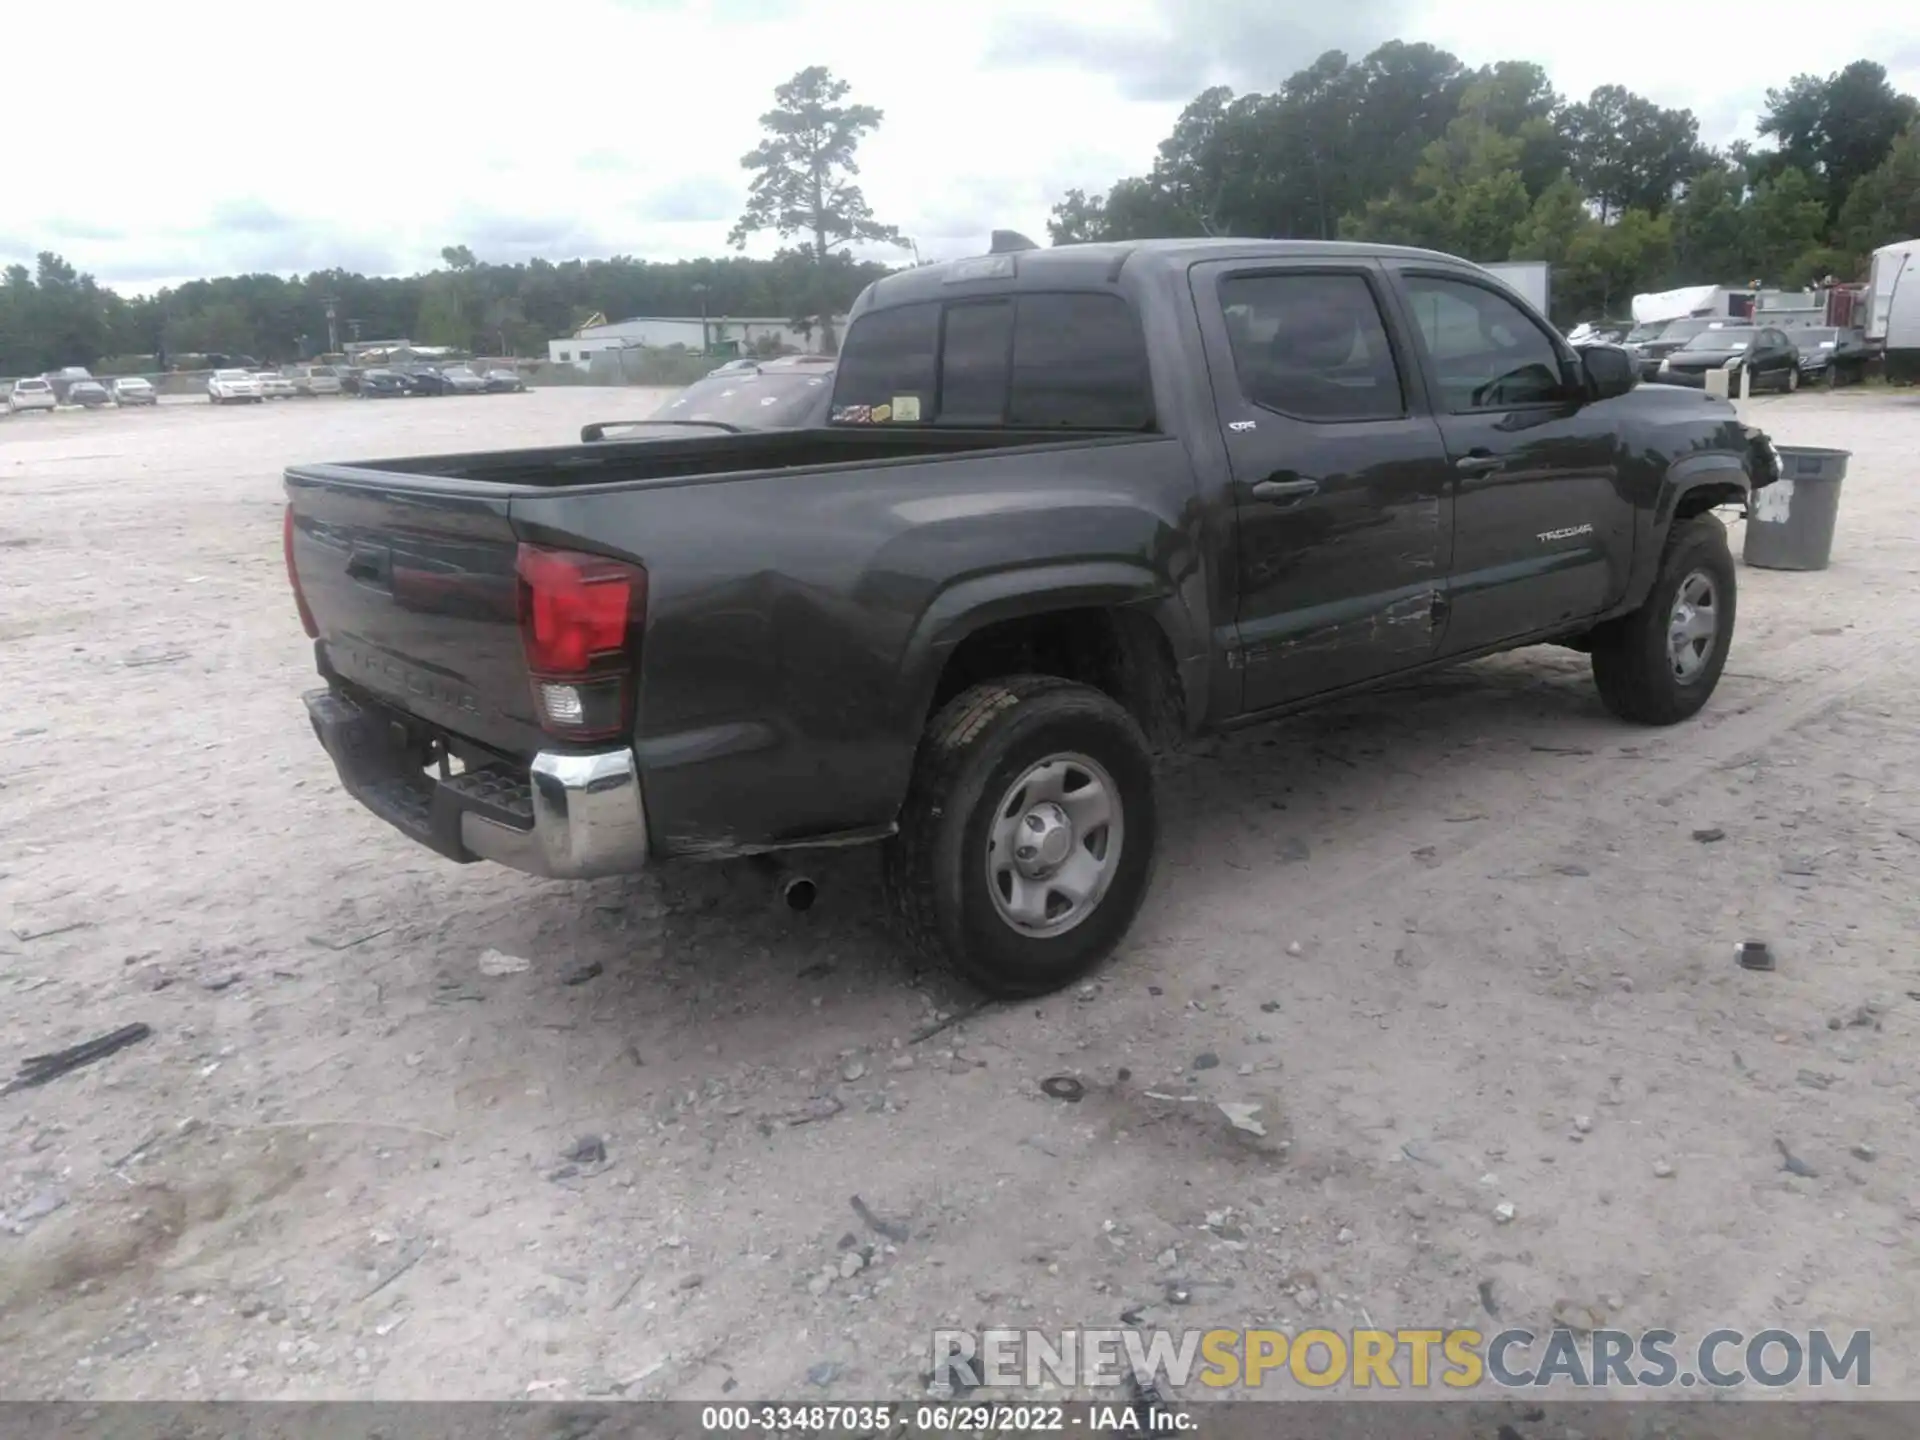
1042, 360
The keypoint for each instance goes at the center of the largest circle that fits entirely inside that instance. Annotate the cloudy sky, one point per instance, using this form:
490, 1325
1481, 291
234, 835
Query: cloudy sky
367, 135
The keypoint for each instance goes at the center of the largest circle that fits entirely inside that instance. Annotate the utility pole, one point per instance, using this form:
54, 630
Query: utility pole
333, 325
701, 291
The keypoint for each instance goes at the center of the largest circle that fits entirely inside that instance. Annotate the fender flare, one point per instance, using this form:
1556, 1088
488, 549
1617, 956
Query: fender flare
1034, 590
1709, 470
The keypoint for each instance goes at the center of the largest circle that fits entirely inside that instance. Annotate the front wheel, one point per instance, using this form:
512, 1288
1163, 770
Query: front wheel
1792, 382
1659, 665
1027, 840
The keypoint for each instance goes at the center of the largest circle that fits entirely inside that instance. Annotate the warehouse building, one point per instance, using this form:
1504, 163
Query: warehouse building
659, 332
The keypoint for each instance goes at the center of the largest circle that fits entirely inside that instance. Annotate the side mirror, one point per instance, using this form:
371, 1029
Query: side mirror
1609, 370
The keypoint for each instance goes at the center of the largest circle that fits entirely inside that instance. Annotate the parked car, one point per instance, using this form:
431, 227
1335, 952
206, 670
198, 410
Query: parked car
380, 385
1761, 351
310, 380
1832, 357
273, 385
1675, 333
134, 390
1028, 546
791, 393
35, 394
505, 382
64, 379
733, 367
464, 380
89, 395
426, 381
233, 387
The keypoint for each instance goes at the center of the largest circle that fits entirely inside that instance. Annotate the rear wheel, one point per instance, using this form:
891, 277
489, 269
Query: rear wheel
1659, 665
1792, 382
1027, 840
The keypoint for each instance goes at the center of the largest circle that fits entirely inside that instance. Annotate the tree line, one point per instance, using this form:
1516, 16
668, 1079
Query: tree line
1410, 146
52, 316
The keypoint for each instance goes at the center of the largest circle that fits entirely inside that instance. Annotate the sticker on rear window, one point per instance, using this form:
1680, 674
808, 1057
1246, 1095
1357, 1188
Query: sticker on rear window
906, 408
852, 415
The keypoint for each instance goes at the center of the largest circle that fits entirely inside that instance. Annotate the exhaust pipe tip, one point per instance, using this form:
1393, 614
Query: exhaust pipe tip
798, 892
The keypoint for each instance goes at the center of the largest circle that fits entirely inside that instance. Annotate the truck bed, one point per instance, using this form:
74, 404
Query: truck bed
691, 457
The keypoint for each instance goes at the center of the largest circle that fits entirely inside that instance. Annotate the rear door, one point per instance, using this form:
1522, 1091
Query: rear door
416, 597
1541, 537
1340, 479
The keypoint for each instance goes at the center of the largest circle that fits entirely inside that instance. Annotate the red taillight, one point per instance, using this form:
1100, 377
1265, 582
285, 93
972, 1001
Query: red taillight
293, 577
580, 621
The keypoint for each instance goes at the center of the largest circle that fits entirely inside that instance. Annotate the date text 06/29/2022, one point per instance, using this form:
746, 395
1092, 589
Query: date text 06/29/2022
962, 1417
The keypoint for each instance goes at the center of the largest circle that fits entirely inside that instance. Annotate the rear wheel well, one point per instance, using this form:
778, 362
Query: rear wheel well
1120, 653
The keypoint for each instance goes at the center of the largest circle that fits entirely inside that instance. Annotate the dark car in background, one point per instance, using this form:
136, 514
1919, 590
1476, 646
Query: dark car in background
426, 381
1762, 351
1831, 357
505, 382
788, 393
89, 394
1672, 335
380, 385
463, 380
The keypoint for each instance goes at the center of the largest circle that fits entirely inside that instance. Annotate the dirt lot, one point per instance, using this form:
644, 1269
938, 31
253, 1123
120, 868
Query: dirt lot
1460, 940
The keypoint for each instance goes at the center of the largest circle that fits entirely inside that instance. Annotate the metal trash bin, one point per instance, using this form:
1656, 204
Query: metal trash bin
1791, 524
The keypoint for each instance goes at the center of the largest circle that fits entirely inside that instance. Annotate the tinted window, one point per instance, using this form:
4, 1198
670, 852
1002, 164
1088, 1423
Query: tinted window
1487, 353
1079, 361
1311, 346
889, 356
973, 364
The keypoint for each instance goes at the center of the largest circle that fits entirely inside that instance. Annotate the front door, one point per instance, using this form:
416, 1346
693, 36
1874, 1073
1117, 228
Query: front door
1340, 479
1541, 539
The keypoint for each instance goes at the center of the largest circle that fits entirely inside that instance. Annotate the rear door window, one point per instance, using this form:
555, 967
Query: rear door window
1312, 346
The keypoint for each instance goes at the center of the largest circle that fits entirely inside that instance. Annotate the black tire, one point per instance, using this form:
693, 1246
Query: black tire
1631, 664
1790, 382
974, 750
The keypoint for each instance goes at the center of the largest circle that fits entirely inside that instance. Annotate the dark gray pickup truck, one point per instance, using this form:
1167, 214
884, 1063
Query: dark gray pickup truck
1070, 505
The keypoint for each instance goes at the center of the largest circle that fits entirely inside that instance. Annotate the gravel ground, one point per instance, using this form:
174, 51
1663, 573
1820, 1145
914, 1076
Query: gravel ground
1461, 941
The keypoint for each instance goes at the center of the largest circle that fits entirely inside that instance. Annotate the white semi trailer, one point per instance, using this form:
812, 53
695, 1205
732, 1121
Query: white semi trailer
1893, 308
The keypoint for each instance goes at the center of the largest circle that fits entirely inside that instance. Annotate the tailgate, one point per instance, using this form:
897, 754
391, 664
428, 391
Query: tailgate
415, 596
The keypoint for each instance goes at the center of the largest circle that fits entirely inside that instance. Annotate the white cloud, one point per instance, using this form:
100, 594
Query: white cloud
587, 127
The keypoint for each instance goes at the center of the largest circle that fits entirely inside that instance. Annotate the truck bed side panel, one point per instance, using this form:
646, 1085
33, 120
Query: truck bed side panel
796, 621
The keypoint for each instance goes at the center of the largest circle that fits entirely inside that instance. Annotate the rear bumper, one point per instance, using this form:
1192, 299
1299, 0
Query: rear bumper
568, 816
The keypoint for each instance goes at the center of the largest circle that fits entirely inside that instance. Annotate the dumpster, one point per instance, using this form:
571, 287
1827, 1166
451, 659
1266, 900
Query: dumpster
1791, 524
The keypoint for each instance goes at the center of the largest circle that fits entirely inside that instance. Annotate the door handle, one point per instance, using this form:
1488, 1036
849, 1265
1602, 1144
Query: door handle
1478, 462
1284, 490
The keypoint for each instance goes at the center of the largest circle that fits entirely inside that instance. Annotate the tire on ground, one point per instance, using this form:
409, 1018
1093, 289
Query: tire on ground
937, 873
1631, 662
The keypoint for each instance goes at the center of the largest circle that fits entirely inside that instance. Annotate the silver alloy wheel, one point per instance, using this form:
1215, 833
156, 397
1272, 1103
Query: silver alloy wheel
1793, 377
1054, 845
1694, 626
